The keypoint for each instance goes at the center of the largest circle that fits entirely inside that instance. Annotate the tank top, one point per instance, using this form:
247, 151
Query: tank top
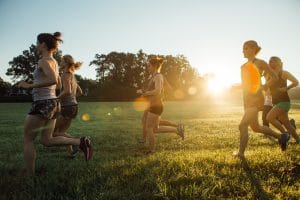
43, 93
155, 99
71, 99
278, 96
252, 74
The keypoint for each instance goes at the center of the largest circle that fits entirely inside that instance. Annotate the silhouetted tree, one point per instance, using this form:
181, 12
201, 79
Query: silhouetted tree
22, 66
4, 87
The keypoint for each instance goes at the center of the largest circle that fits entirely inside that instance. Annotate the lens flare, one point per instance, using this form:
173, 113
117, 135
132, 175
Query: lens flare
192, 90
179, 94
251, 78
86, 117
117, 111
140, 104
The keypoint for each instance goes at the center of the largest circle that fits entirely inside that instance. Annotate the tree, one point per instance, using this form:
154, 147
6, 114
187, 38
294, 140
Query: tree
4, 87
120, 74
22, 66
87, 85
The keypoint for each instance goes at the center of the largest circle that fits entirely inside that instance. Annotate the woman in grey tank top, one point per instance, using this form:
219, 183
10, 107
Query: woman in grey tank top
69, 105
45, 108
152, 118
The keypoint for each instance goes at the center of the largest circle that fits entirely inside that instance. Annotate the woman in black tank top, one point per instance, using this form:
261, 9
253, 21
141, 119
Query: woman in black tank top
154, 96
281, 99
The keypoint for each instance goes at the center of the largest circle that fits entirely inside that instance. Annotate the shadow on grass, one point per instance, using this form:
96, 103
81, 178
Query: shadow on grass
255, 182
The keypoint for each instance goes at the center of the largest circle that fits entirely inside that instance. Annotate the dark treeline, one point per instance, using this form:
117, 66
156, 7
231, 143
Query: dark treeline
118, 75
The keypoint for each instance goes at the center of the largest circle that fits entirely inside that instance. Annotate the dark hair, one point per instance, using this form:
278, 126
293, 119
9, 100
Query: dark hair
253, 44
156, 62
51, 40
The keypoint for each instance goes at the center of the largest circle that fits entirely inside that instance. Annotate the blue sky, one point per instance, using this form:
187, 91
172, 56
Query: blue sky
209, 33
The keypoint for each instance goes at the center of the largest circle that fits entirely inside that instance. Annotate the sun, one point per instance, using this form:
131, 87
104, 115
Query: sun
217, 84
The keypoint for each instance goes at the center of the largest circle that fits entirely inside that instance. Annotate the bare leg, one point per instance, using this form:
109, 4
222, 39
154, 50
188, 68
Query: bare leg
251, 119
152, 123
61, 127
272, 117
165, 129
167, 123
291, 130
144, 122
263, 129
31, 129
48, 140
243, 128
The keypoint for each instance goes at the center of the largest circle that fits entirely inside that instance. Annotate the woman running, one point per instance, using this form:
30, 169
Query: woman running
45, 106
67, 96
251, 72
154, 94
162, 122
278, 115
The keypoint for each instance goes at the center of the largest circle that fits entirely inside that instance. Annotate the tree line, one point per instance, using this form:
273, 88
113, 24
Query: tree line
118, 74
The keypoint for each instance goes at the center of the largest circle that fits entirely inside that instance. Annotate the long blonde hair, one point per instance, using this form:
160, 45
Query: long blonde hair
72, 65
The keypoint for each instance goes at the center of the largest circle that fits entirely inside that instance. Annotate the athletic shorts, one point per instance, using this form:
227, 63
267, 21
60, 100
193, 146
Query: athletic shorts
47, 109
284, 106
254, 100
69, 112
156, 109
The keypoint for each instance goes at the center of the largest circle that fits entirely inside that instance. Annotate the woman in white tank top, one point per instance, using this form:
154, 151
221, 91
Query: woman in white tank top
45, 107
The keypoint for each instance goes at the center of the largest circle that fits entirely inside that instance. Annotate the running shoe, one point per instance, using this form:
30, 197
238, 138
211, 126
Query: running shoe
284, 141
141, 141
180, 130
75, 150
293, 123
86, 147
238, 155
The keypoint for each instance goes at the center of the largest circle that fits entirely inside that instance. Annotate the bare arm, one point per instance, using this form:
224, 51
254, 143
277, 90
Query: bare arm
272, 76
158, 87
288, 76
66, 82
51, 79
78, 91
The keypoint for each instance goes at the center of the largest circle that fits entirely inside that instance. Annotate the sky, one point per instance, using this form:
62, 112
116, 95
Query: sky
209, 33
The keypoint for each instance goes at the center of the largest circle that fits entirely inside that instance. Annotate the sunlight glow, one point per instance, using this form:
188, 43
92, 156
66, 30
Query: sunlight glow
140, 104
217, 84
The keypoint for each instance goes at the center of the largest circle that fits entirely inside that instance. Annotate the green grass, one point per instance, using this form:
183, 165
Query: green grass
201, 167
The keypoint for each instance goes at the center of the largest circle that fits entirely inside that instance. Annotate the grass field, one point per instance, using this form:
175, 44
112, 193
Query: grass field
201, 167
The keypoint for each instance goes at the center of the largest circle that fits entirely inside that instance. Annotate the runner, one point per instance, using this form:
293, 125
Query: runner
154, 94
45, 106
253, 98
67, 96
281, 100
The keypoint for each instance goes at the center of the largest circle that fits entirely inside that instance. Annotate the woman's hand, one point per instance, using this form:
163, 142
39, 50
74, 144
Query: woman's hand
140, 91
24, 85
